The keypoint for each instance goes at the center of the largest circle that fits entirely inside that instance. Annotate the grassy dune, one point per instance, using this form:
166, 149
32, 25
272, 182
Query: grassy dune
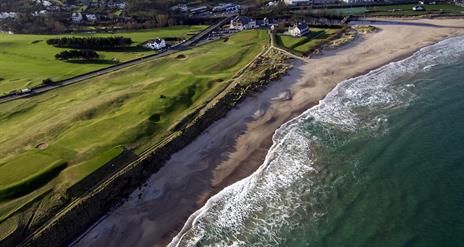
85, 123
303, 44
26, 60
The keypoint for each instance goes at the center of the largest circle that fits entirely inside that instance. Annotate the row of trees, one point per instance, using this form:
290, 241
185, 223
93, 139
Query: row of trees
26, 23
77, 55
97, 43
19, 6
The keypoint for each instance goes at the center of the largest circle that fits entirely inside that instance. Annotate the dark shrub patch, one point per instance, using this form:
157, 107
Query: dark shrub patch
155, 117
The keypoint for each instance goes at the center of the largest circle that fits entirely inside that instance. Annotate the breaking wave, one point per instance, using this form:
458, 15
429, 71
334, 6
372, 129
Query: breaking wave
259, 208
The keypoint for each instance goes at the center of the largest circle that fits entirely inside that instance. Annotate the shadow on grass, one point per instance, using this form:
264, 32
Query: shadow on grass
311, 36
31, 183
125, 49
97, 61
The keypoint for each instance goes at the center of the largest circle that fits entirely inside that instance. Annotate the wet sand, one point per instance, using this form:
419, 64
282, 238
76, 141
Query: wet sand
235, 146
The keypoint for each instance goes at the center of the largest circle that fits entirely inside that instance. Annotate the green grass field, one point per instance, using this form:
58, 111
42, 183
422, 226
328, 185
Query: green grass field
85, 124
26, 60
303, 44
391, 10
406, 9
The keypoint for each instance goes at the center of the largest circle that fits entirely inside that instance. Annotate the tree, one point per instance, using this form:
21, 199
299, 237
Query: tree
97, 43
162, 20
47, 81
77, 55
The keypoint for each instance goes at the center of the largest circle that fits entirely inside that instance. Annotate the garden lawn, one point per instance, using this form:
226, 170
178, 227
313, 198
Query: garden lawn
304, 44
84, 124
26, 60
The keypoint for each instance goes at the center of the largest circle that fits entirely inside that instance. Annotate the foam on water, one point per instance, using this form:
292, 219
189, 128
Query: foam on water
259, 207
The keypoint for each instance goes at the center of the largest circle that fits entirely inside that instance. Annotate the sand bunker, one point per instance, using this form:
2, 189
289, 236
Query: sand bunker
41, 146
181, 57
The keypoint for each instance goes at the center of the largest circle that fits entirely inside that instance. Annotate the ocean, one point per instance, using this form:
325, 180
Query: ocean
379, 162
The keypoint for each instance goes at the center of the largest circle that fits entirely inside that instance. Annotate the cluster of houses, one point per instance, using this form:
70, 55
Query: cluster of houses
240, 23
203, 10
109, 4
78, 17
44, 3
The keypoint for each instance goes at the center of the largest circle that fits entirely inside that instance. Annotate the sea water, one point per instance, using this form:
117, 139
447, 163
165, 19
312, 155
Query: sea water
379, 162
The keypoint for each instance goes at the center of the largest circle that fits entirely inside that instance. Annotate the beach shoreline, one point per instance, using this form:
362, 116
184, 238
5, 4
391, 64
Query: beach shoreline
234, 147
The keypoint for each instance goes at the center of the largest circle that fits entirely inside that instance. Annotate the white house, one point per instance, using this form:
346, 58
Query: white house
298, 30
297, 2
6, 15
38, 13
242, 23
272, 4
122, 5
76, 17
155, 44
46, 3
91, 17
180, 8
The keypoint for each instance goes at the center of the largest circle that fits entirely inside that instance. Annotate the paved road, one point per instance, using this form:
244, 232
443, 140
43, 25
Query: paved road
182, 46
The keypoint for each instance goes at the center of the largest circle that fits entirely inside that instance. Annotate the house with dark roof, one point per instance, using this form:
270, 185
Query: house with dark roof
418, 8
242, 23
298, 30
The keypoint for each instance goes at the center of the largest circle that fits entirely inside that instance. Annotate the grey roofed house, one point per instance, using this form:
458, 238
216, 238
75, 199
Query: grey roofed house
198, 10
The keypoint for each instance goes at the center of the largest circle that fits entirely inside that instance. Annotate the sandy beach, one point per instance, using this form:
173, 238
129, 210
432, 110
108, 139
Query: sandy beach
235, 146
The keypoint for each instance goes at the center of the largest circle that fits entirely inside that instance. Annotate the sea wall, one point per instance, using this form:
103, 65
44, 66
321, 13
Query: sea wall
70, 222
